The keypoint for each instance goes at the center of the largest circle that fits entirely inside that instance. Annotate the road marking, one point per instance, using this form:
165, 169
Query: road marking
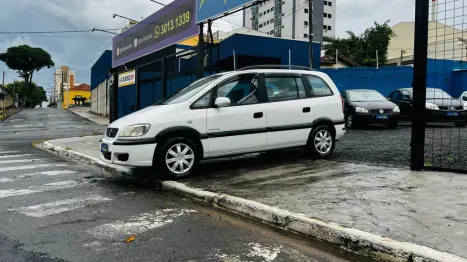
266, 253
30, 167
49, 173
19, 161
5, 180
61, 206
138, 224
8, 152
13, 156
38, 189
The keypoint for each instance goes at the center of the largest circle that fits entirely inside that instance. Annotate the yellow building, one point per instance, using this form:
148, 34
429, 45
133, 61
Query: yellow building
78, 95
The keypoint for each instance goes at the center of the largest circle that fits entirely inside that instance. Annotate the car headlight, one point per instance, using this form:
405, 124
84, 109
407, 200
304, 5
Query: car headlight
396, 109
431, 106
135, 130
361, 110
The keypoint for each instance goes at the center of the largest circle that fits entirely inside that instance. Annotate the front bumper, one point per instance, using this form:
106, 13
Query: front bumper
371, 119
130, 154
442, 116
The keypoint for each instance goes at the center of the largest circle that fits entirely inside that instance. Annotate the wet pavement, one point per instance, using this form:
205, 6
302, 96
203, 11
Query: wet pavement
52, 209
425, 208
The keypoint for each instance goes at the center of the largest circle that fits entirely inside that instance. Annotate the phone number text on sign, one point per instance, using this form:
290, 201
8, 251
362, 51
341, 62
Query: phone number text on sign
172, 24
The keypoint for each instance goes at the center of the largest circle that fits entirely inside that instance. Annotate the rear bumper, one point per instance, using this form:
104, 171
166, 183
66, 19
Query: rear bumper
340, 130
138, 155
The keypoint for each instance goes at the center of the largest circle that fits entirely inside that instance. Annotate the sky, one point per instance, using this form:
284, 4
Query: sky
81, 50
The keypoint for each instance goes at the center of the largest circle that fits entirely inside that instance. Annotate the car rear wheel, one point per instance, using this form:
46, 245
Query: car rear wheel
461, 124
321, 142
178, 157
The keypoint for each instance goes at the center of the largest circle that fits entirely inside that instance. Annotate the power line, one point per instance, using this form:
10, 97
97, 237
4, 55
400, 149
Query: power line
51, 32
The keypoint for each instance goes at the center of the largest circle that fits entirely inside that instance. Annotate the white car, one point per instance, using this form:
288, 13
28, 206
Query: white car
234, 113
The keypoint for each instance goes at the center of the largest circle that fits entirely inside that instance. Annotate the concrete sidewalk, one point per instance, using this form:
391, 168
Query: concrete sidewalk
373, 206
85, 112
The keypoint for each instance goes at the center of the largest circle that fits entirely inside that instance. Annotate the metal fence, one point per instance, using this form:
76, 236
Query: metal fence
443, 40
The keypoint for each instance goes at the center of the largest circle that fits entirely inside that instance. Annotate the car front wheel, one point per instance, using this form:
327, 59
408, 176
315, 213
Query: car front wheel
321, 142
393, 124
461, 124
177, 158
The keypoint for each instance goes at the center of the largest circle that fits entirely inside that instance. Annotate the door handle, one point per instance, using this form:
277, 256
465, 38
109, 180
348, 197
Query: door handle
306, 110
258, 115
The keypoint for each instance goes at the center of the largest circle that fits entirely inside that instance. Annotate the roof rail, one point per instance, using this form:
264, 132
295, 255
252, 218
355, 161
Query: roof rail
296, 67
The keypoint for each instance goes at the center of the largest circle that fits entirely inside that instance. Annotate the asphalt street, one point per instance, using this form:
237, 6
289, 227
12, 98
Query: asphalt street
52, 209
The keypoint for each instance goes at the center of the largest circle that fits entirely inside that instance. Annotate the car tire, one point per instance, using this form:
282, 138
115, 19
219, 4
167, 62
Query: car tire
393, 124
318, 134
350, 121
176, 158
461, 124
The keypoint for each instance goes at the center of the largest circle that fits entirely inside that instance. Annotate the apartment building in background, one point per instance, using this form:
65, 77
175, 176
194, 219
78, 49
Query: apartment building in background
67, 77
290, 18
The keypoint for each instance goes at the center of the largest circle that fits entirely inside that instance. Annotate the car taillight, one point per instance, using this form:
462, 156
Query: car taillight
342, 102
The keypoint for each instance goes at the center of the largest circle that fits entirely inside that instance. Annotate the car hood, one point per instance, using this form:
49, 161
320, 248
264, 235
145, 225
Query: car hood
144, 116
446, 102
375, 105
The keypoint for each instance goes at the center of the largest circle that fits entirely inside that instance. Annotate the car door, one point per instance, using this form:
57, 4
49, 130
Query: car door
240, 127
404, 104
290, 111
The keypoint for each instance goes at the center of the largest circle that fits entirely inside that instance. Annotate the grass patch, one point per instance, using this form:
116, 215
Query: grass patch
67, 148
35, 143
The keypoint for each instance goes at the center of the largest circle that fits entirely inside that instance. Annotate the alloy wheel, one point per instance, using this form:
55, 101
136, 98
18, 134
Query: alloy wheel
323, 142
180, 158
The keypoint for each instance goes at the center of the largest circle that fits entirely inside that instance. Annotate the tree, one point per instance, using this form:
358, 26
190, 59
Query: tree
362, 49
36, 96
25, 60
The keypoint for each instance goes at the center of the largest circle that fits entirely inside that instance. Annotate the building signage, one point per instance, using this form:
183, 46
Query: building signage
127, 78
211, 8
173, 23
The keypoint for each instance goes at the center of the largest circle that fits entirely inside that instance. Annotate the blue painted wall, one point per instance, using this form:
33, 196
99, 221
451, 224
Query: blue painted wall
386, 79
100, 69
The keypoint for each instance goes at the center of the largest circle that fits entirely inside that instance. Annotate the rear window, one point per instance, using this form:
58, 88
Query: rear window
319, 88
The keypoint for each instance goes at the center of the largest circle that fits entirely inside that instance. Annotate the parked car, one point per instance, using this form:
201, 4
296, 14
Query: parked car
440, 106
463, 97
364, 107
234, 113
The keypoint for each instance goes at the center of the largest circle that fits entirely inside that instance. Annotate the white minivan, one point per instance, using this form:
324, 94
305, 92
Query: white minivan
249, 110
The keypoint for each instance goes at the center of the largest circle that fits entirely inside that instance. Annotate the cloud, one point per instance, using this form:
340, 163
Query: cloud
81, 50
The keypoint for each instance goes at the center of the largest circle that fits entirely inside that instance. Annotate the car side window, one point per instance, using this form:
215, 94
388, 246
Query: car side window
397, 96
464, 96
284, 88
319, 87
243, 90
203, 102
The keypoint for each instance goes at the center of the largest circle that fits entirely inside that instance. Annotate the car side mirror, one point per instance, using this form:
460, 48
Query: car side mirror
222, 102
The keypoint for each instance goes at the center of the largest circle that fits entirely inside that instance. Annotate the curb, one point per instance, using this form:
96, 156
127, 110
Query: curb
84, 118
350, 239
6, 117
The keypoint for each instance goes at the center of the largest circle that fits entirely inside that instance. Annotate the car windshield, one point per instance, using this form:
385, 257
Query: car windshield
437, 94
188, 92
365, 96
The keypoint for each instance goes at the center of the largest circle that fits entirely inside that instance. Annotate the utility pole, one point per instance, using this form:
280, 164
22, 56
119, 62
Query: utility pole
402, 56
310, 30
14, 93
377, 60
3, 91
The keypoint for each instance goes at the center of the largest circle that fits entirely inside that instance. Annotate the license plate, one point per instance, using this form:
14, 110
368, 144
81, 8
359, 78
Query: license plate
452, 113
382, 116
104, 148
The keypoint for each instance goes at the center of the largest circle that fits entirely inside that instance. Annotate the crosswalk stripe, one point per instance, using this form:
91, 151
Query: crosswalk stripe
5, 180
138, 224
49, 173
13, 156
37, 189
19, 161
4, 169
61, 206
